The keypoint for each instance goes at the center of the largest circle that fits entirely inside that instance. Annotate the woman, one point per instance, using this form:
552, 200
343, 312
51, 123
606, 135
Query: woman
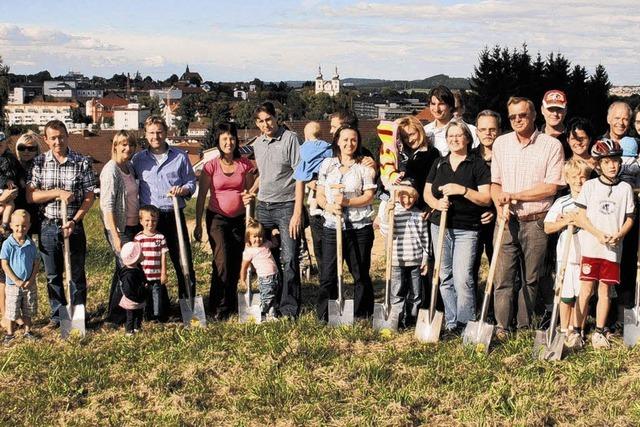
459, 184
27, 148
635, 122
119, 207
226, 178
579, 137
413, 160
353, 202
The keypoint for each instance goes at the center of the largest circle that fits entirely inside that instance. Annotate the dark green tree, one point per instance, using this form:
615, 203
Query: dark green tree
242, 113
598, 91
4, 90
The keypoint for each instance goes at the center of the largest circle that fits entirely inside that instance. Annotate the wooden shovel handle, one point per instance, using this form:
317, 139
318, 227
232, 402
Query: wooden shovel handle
440, 244
497, 245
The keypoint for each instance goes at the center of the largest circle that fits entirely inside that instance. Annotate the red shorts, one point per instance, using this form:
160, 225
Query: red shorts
598, 269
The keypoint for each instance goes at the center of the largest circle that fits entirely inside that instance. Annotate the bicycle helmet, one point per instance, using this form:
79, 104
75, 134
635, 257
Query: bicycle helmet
606, 147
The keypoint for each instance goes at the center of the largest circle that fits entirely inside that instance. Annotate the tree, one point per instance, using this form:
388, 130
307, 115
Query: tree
598, 91
4, 90
186, 113
172, 79
319, 106
296, 105
153, 103
242, 113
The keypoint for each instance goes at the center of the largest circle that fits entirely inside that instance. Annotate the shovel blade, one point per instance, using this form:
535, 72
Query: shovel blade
548, 349
249, 310
339, 316
478, 334
195, 317
631, 333
386, 319
72, 320
427, 329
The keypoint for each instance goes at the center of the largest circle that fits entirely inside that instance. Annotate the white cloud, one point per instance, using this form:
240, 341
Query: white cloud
154, 61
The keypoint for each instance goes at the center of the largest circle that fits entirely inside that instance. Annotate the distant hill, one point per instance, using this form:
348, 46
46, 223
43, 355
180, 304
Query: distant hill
439, 79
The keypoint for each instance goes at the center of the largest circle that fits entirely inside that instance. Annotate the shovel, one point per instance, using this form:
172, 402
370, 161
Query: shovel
631, 332
429, 322
72, 316
249, 309
479, 333
548, 344
191, 308
385, 315
340, 310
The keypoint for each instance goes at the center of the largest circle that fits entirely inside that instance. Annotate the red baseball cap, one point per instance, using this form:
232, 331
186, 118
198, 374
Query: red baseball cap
554, 98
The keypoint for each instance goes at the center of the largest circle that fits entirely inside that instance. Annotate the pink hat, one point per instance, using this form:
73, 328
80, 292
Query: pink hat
554, 98
130, 253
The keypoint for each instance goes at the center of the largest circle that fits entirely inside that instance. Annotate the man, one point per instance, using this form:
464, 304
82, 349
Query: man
442, 104
163, 172
618, 119
62, 174
488, 128
526, 172
280, 198
554, 111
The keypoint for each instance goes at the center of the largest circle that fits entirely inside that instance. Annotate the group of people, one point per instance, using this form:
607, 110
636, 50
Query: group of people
541, 182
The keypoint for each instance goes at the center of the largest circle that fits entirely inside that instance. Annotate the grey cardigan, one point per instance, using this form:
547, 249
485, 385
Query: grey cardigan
113, 197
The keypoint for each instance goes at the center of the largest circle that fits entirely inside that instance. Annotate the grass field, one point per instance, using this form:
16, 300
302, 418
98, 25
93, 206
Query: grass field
301, 373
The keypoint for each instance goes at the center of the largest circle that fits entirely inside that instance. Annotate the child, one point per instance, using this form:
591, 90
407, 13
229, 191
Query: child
562, 214
154, 264
630, 170
9, 170
606, 208
410, 252
259, 254
20, 264
132, 281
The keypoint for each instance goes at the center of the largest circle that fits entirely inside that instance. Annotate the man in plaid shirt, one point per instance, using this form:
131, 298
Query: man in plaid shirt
62, 174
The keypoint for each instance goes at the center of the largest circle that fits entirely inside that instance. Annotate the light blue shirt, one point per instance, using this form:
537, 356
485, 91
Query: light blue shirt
157, 179
20, 258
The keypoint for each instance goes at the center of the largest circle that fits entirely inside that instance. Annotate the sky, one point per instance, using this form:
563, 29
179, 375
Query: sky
287, 40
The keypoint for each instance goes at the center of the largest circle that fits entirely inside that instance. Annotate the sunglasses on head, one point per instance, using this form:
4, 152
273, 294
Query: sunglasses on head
27, 148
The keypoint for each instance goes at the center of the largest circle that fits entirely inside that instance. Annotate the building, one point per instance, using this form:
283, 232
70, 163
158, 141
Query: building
172, 93
190, 77
59, 89
169, 113
100, 109
240, 93
330, 87
39, 113
197, 129
624, 91
84, 92
130, 117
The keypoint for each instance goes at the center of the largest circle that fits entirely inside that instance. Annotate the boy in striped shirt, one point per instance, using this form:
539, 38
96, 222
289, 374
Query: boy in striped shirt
409, 254
154, 264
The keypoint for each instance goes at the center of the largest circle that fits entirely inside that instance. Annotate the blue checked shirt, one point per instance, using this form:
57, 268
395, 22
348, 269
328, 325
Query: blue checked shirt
75, 175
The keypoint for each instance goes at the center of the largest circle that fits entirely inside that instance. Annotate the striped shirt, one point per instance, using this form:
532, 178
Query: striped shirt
518, 167
152, 248
74, 175
410, 235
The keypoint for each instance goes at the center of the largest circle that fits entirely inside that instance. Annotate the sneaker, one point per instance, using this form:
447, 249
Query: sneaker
29, 336
8, 339
129, 333
599, 340
502, 335
573, 340
271, 314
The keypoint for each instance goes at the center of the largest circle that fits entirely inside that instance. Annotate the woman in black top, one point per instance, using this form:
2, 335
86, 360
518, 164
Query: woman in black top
459, 184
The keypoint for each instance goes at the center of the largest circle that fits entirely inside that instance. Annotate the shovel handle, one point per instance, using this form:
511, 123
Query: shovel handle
66, 250
339, 254
435, 280
389, 247
183, 252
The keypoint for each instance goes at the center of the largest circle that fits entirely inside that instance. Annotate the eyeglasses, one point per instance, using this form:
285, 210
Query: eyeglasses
520, 116
27, 148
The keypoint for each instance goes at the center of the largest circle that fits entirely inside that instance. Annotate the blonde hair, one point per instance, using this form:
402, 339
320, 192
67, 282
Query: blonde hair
312, 128
414, 123
120, 137
253, 227
577, 166
22, 214
155, 120
29, 138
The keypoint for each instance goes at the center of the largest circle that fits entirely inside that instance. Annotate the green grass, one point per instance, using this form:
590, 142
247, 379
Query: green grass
300, 373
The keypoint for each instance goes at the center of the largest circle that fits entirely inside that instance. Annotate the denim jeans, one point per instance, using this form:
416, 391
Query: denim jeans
524, 242
356, 250
456, 275
277, 216
51, 248
406, 291
226, 237
316, 223
167, 227
117, 314
268, 286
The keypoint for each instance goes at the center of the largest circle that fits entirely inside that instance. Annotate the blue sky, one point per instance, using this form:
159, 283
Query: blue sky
286, 40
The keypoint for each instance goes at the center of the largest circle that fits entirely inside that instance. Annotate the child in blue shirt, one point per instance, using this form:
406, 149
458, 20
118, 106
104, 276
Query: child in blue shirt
19, 258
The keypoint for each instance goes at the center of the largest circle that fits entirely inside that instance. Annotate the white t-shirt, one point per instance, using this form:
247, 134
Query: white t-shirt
437, 135
607, 208
562, 206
